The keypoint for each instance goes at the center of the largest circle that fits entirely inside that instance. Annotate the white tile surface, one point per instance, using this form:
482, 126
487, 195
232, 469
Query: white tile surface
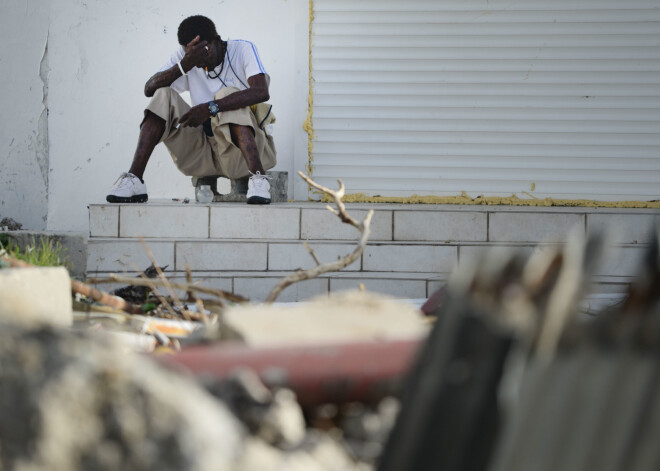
255, 222
409, 258
533, 227
440, 226
294, 256
411, 289
624, 228
202, 279
258, 289
473, 253
126, 256
322, 224
185, 221
103, 221
219, 256
622, 261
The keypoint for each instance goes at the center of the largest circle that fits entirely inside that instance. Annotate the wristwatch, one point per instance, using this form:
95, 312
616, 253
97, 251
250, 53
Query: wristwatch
213, 108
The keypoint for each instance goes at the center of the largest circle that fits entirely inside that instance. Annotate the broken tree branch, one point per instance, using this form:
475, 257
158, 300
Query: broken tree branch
363, 227
112, 278
161, 276
198, 302
311, 252
86, 290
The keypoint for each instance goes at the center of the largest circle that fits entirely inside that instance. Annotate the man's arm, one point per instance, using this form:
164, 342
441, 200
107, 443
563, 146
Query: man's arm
195, 55
257, 93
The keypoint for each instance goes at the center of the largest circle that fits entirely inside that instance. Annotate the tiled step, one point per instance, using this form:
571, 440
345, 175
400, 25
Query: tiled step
391, 222
257, 285
128, 254
411, 251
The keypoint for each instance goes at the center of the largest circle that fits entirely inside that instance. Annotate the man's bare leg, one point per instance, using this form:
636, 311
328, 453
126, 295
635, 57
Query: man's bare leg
243, 137
258, 185
129, 187
151, 131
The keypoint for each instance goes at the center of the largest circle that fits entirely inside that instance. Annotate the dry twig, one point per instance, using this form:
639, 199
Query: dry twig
311, 252
112, 278
340, 212
165, 281
193, 296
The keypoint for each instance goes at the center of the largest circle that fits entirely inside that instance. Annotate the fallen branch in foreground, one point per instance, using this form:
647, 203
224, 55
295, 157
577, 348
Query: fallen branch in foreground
112, 278
340, 212
168, 286
86, 290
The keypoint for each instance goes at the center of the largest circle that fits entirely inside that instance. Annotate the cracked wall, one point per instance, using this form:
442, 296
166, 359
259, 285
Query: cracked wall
24, 102
73, 79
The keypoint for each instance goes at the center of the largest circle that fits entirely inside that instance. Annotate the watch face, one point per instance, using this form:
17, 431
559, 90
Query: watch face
213, 108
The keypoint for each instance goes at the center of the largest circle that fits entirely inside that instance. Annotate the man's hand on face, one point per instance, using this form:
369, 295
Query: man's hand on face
197, 53
195, 116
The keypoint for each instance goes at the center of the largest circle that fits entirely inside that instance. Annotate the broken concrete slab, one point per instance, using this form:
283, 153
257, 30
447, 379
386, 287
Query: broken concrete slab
36, 295
345, 317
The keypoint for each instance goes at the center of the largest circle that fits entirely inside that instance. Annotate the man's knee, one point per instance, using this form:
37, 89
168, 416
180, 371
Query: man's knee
163, 93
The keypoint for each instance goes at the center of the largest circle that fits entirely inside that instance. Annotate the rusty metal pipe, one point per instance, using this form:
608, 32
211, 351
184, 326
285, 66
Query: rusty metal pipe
318, 374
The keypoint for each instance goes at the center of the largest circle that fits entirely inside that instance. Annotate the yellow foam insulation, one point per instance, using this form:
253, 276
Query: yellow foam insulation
512, 200
308, 125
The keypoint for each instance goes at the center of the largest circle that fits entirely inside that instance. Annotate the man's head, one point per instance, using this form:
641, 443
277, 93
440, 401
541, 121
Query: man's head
194, 26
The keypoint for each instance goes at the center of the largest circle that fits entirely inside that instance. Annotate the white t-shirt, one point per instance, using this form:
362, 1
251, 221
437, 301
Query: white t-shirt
241, 61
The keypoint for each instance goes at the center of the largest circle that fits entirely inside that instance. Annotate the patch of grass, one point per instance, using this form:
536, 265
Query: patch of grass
44, 252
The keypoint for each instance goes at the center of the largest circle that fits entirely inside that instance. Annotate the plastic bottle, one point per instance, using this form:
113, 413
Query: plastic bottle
203, 194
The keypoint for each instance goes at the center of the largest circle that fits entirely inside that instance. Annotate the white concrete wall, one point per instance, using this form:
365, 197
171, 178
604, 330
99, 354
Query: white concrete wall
99, 55
23, 125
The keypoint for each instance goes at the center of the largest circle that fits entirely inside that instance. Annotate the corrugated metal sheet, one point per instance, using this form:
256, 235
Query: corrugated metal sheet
489, 97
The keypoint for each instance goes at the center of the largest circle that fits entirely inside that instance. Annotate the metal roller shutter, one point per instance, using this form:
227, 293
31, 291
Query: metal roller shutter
489, 97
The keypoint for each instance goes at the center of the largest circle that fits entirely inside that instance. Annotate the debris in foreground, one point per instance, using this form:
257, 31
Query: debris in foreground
513, 378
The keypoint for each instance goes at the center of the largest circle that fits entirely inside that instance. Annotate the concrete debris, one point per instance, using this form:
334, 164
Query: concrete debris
283, 424
342, 317
36, 295
73, 400
366, 429
71, 403
10, 225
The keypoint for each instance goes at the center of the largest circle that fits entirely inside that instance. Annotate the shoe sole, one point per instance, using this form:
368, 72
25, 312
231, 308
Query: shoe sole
127, 199
258, 200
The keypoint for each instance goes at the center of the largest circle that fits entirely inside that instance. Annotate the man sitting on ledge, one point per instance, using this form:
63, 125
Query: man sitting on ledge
220, 134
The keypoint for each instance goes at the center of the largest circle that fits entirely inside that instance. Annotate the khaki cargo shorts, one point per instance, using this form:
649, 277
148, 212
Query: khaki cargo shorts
198, 155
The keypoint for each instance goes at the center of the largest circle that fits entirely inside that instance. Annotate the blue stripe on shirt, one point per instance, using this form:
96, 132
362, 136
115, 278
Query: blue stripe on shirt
256, 54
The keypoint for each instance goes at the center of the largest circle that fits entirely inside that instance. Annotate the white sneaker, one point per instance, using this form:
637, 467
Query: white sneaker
258, 189
128, 189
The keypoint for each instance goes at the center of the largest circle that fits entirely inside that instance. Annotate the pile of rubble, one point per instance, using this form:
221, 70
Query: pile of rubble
77, 398
495, 378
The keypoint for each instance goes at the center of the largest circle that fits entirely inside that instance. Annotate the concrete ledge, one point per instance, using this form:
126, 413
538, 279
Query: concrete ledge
73, 243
